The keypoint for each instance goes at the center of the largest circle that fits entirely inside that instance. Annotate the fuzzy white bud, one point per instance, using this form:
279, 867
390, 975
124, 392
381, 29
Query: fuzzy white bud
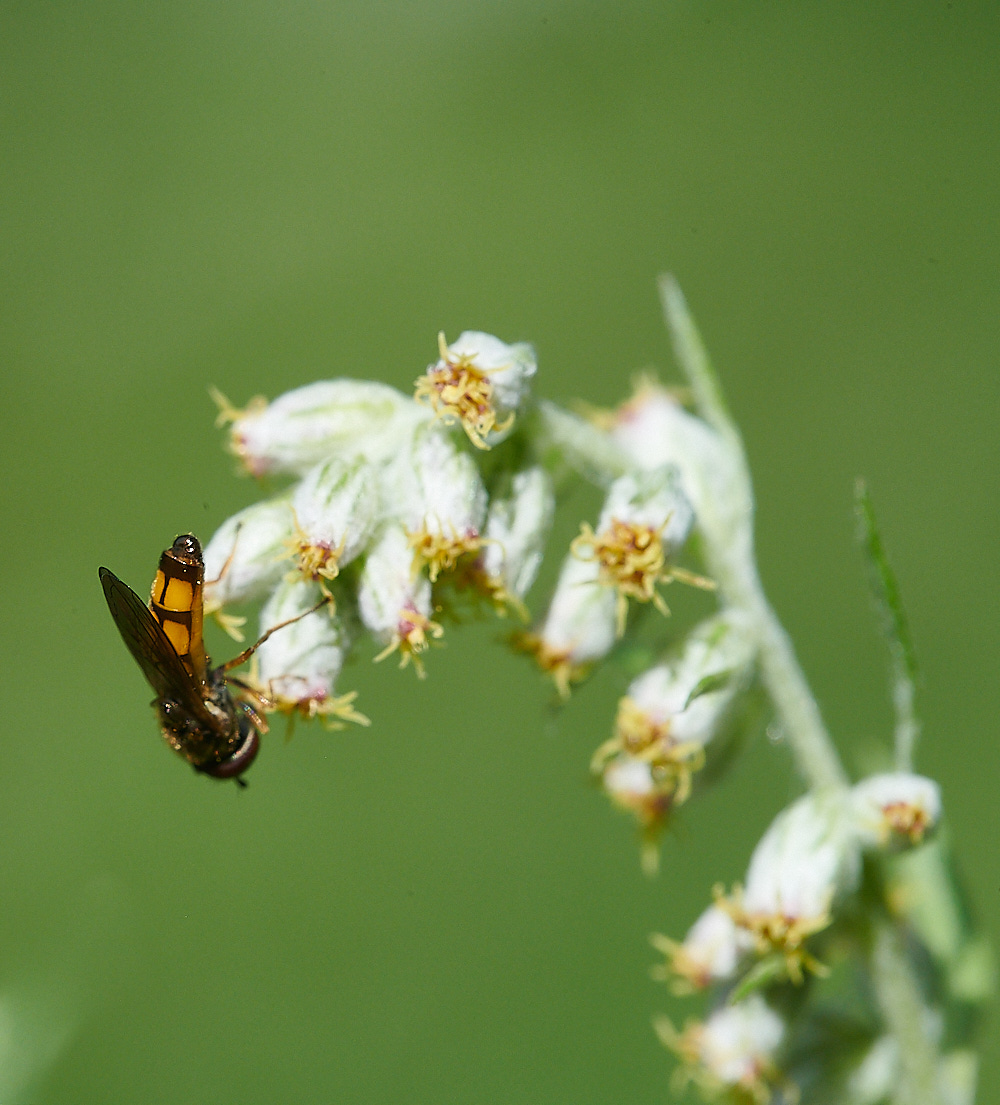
299, 664
895, 807
580, 626
653, 429
350, 419
434, 490
395, 602
804, 860
516, 530
652, 499
481, 382
738, 1043
711, 951
336, 509
247, 554
686, 698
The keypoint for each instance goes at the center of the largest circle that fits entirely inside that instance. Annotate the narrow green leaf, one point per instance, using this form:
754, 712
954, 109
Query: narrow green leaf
708, 683
770, 969
894, 626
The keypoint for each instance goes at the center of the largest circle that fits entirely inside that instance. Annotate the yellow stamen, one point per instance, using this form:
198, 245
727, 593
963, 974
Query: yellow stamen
777, 932
228, 414
555, 662
672, 763
411, 637
230, 624
681, 970
906, 819
334, 711
441, 552
631, 559
460, 390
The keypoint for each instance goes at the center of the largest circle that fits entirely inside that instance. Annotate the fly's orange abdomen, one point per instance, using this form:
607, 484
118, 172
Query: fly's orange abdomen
176, 602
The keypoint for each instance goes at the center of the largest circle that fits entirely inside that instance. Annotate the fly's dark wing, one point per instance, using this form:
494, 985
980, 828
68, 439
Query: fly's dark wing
148, 643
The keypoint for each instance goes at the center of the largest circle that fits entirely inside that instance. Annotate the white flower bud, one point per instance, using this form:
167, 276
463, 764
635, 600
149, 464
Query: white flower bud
516, 530
394, 603
579, 628
808, 856
653, 429
739, 1042
351, 419
685, 699
645, 519
710, 952
246, 556
895, 807
734, 1049
434, 490
629, 781
336, 508
481, 382
653, 499
298, 664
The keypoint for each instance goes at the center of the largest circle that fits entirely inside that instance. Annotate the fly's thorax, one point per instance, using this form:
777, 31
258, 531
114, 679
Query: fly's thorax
176, 602
205, 741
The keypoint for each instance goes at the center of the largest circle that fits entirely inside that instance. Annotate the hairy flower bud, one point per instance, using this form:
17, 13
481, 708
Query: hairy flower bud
673, 710
394, 602
517, 527
806, 858
351, 419
896, 807
653, 429
244, 559
733, 1049
711, 952
298, 664
336, 508
481, 382
434, 490
645, 520
579, 628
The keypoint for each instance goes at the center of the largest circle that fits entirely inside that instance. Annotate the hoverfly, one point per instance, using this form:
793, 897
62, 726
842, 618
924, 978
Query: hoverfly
201, 719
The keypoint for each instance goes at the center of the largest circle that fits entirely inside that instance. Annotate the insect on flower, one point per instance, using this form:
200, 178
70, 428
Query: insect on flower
215, 730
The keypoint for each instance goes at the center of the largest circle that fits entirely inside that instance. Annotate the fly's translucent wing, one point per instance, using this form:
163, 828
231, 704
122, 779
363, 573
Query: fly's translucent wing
149, 646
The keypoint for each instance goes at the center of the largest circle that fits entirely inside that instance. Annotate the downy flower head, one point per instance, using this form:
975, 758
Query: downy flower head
350, 419
629, 782
479, 381
653, 429
808, 856
645, 521
673, 710
517, 527
244, 559
335, 507
299, 664
733, 1049
711, 952
394, 602
435, 491
896, 808
579, 628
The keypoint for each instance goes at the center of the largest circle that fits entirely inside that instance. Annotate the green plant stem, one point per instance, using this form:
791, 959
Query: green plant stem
903, 1009
733, 565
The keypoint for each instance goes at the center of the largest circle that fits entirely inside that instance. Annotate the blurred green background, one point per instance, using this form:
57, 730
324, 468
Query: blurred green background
257, 195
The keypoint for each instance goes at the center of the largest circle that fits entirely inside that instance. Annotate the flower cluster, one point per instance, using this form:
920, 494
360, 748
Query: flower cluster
399, 509
387, 508
804, 872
